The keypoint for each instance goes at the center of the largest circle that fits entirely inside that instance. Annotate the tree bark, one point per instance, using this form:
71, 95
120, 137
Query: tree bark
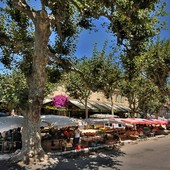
112, 104
86, 109
31, 135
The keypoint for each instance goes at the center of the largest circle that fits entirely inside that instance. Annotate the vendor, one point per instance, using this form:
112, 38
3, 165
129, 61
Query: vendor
52, 133
76, 136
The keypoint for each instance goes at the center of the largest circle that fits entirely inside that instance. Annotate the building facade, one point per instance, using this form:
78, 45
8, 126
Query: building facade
97, 103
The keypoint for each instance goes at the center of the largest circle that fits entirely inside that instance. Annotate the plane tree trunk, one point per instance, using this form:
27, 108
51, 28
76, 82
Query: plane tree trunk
31, 136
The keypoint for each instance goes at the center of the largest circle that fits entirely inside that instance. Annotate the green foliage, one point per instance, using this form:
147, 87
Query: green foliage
14, 90
148, 90
135, 23
16, 38
157, 65
101, 72
78, 85
106, 73
142, 94
129, 20
54, 74
18, 41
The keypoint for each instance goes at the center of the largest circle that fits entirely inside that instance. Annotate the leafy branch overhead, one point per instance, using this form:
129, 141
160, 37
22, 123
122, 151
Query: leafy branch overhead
66, 19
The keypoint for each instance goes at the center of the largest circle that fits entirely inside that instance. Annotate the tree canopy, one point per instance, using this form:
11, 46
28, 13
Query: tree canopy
157, 65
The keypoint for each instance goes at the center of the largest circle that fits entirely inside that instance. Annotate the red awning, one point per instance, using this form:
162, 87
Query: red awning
135, 121
132, 121
159, 122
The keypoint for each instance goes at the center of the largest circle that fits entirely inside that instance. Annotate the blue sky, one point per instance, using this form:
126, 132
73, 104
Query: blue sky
166, 33
88, 39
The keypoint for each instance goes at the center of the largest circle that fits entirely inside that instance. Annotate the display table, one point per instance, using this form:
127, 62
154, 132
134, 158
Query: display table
56, 144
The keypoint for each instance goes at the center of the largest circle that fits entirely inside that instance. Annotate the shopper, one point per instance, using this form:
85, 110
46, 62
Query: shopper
76, 136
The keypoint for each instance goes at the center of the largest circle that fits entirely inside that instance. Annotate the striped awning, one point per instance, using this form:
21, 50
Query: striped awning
100, 106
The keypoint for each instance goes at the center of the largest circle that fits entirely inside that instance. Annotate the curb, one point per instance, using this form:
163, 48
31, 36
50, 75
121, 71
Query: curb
85, 150
145, 139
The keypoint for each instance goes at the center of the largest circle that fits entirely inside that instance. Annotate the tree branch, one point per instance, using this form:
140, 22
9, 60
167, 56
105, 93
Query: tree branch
43, 4
76, 5
67, 65
22, 5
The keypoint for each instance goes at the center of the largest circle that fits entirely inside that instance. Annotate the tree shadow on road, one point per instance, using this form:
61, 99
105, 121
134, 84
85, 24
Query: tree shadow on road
93, 160
106, 159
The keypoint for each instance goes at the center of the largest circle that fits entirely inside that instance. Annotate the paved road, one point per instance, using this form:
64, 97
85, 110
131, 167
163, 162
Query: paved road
145, 155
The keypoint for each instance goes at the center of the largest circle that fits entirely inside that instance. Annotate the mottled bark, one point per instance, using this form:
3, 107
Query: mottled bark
31, 136
111, 99
86, 109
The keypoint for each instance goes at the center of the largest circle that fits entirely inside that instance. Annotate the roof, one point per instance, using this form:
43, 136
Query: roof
102, 121
95, 106
99, 106
77, 103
